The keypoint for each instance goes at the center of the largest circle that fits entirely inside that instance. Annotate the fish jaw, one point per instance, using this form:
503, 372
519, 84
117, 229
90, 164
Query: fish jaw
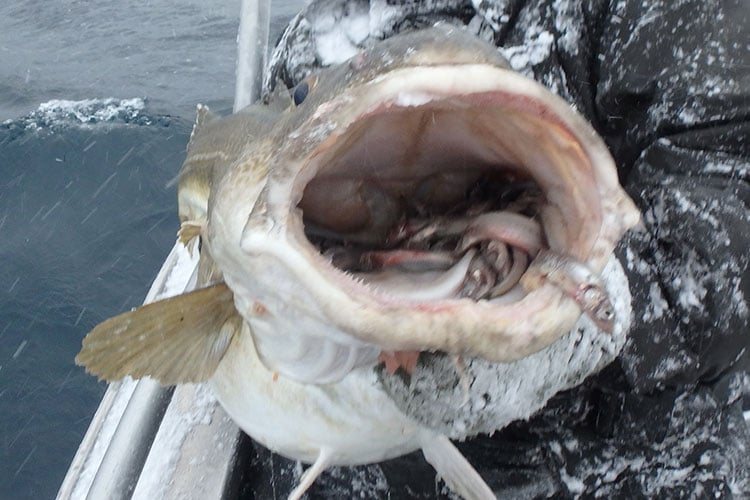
489, 116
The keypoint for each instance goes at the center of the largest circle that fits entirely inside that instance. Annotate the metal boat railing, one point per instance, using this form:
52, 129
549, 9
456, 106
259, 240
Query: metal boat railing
147, 441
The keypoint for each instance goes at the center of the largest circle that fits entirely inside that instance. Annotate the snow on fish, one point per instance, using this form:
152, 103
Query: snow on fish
420, 197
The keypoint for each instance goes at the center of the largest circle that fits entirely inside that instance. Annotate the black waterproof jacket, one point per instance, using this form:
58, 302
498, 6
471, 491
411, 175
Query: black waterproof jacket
667, 84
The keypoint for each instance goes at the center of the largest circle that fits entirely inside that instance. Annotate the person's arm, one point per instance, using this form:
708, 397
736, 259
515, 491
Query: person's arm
673, 96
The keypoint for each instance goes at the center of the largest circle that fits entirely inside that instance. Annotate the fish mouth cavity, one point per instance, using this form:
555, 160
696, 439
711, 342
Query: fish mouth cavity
445, 197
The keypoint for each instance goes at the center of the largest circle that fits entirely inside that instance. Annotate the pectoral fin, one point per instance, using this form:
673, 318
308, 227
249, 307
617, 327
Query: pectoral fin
456, 471
176, 340
189, 230
311, 474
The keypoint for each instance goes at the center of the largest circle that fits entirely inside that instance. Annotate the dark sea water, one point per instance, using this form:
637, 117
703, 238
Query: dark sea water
87, 213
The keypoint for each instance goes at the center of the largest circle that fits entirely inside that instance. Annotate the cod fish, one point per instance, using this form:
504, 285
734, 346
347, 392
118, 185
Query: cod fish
420, 197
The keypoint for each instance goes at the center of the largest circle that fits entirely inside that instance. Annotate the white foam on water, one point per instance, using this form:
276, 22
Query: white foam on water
83, 113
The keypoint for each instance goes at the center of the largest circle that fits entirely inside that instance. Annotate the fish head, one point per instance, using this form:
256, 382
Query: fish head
386, 204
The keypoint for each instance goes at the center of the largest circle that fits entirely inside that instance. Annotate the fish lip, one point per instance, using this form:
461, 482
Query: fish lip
521, 327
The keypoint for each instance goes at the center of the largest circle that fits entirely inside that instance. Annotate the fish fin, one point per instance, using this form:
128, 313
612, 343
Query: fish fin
177, 340
203, 115
454, 469
280, 97
188, 230
208, 272
311, 474
399, 359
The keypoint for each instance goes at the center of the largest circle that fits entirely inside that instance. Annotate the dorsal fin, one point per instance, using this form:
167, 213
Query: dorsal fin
280, 98
176, 340
203, 115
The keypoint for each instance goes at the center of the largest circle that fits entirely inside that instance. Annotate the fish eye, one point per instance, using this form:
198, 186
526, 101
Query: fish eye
300, 93
303, 89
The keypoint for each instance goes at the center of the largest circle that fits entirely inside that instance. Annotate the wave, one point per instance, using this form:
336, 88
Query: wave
61, 113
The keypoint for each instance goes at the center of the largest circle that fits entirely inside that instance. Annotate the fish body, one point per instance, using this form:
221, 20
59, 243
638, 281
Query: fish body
411, 199
353, 419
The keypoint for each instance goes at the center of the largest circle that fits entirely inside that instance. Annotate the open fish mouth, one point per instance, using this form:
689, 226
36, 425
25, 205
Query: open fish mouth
433, 202
462, 208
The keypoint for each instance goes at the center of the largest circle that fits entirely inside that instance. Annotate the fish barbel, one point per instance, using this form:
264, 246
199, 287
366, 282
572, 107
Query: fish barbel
420, 197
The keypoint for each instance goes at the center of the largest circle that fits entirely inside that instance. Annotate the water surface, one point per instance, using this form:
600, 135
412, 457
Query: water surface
86, 214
